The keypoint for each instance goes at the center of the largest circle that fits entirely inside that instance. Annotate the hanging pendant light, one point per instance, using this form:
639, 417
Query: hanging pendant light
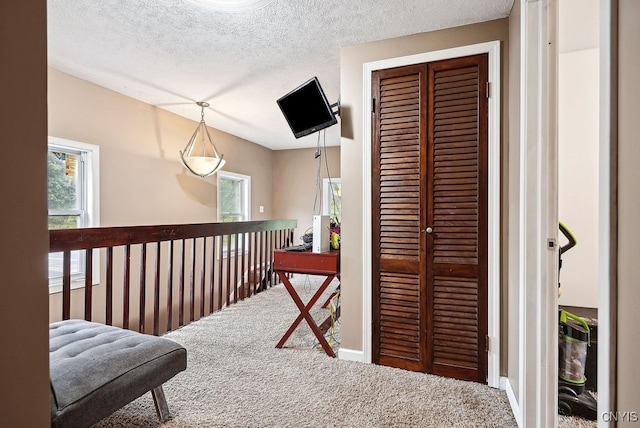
200, 155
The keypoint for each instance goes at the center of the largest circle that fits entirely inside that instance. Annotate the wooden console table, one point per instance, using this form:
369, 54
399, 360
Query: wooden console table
309, 263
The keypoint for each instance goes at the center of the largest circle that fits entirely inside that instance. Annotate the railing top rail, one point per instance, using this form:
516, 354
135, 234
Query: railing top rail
99, 237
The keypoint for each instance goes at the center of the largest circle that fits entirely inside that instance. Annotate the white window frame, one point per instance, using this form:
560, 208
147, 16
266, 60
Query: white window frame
246, 179
89, 156
327, 194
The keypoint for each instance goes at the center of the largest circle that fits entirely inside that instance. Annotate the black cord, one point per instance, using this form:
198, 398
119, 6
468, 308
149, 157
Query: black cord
318, 156
326, 162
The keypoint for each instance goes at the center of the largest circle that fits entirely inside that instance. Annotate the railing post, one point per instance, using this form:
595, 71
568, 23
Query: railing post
109, 290
156, 292
235, 268
126, 286
213, 274
66, 285
203, 273
88, 283
181, 286
192, 281
143, 281
170, 288
254, 282
228, 270
220, 271
242, 266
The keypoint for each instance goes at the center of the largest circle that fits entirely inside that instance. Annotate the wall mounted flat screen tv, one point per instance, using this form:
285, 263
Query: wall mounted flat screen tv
306, 109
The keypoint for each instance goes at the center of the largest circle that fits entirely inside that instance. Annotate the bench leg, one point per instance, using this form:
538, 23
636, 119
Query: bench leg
161, 403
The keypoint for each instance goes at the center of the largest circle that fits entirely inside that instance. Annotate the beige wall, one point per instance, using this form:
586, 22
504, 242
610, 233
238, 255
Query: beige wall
511, 243
294, 184
142, 181
141, 178
628, 208
24, 360
578, 159
352, 60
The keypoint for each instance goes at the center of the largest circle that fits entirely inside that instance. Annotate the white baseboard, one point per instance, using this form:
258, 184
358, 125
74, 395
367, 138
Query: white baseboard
351, 355
515, 407
503, 383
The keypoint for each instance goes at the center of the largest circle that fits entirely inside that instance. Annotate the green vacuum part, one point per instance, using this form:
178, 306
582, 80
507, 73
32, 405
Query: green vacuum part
572, 348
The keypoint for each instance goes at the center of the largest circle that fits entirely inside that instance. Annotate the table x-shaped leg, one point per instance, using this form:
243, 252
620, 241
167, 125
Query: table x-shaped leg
304, 313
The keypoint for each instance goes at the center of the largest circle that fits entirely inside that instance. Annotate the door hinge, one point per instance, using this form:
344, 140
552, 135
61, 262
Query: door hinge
373, 105
487, 344
488, 89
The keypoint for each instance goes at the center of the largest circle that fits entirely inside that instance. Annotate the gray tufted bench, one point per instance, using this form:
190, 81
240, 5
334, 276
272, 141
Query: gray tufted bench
96, 369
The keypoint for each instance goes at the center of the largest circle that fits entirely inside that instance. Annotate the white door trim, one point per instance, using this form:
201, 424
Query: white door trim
538, 265
607, 255
493, 49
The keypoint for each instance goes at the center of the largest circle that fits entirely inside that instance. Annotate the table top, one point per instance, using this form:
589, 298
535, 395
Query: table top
307, 262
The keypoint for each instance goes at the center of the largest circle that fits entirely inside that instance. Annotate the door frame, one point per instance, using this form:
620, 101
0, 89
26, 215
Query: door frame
493, 255
608, 213
537, 403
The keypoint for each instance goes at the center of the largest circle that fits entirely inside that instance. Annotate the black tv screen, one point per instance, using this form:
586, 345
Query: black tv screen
306, 109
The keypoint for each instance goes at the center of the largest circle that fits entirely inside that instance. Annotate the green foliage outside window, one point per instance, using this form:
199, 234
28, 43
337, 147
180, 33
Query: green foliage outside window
230, 200
63, 221
62, 192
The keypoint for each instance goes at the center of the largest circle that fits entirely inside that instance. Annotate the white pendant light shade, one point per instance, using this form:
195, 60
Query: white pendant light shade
200, 155
202, 165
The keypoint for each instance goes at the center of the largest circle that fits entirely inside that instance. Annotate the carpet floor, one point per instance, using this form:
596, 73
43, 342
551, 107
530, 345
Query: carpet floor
236, 377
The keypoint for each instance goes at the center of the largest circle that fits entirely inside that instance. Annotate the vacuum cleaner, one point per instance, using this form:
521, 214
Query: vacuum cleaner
573, 339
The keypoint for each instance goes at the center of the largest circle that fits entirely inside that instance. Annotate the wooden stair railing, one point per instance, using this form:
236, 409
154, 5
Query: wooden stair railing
194, 268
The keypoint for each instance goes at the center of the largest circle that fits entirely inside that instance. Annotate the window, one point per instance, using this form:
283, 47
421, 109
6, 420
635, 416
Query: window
332, 198
72, 184
234, 196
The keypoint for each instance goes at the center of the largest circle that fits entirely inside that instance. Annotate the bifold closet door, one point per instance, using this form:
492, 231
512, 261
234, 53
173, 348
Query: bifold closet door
429, 221
399, 312
457, 217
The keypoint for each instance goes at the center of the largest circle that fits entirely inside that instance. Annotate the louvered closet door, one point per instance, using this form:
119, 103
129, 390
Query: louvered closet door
457, 215
429, 217
399, 321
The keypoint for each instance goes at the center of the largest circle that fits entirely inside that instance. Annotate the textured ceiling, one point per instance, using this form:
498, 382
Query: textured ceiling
172, 53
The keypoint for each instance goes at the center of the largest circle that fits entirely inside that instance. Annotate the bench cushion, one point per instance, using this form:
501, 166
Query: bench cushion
96, 369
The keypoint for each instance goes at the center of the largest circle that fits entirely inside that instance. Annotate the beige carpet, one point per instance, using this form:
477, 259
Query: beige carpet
236, 378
